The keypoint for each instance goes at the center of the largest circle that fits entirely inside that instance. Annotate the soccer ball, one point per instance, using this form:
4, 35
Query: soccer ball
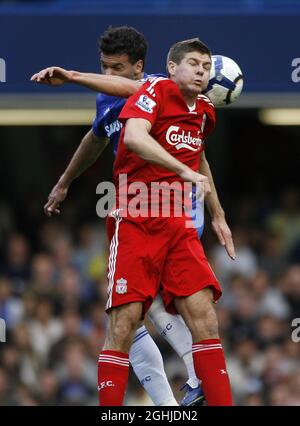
226, 81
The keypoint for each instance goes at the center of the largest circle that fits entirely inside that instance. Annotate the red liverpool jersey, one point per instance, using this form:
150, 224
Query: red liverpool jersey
178, 128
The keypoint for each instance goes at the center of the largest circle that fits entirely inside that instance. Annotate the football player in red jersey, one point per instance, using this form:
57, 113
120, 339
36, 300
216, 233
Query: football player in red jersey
165, 124
122, 52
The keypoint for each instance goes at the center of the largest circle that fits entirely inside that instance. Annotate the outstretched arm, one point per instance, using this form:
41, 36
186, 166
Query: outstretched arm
109, 84
216, 211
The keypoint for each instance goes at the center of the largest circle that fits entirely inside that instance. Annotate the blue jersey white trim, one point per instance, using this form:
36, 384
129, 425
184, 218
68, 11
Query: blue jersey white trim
108, 108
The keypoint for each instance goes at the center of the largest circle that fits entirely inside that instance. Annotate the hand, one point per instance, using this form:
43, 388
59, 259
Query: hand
223, 232
54, 76
57, 195
201, 181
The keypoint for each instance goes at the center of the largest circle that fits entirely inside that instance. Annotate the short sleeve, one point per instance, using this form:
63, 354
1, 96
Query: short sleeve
143, 104
210, 122
98, 123
209, 118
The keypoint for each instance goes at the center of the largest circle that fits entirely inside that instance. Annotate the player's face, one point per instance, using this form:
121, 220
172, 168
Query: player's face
192, 74
121, 66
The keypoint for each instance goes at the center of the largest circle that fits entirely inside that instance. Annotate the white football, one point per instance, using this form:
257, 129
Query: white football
226, 81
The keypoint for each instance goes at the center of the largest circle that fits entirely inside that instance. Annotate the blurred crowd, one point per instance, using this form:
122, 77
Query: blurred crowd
53, 288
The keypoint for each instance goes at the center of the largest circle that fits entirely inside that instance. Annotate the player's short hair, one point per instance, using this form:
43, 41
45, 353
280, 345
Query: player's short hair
124, 40
179, 49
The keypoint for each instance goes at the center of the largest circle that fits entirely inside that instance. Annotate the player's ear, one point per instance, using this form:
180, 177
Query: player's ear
139, 66
171, 68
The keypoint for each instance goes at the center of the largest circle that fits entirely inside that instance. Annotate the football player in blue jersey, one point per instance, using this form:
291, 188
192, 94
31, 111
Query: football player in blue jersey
122, 54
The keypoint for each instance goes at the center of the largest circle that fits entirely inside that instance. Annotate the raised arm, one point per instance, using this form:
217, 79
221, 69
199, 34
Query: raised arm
138, 140
216, 211
109, 84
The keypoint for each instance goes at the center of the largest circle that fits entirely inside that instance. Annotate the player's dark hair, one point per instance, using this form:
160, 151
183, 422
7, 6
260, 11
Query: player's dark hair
124, 40
179, 49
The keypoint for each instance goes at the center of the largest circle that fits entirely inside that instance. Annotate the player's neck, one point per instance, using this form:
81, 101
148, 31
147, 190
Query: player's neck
190, 98
188, 95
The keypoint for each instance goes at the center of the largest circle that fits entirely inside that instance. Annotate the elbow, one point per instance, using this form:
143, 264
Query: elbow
129, 89
132, 89
129, 141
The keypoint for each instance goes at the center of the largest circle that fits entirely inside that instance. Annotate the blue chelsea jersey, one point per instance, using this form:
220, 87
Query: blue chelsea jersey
108, 108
